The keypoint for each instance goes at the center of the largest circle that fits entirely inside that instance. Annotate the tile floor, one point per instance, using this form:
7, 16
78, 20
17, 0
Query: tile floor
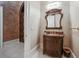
39, 54
12, 49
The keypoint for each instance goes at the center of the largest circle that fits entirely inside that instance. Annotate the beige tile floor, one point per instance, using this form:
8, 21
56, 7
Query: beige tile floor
12, 49
39, 54
15, 49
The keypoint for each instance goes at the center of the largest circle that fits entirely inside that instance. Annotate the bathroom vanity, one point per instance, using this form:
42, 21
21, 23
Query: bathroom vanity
53, 43
53, 35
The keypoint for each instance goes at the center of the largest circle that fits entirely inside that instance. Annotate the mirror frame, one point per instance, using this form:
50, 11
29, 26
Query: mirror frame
54, 12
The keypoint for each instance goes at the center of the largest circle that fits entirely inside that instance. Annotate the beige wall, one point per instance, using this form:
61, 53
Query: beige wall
31, 27
43, 22
33, 21
74, 14
65, 22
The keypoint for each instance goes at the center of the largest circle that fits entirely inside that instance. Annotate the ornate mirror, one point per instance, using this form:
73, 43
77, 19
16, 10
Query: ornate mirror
53, 18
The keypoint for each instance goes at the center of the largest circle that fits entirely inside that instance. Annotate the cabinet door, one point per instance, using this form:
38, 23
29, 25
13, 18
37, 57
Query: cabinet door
53, 46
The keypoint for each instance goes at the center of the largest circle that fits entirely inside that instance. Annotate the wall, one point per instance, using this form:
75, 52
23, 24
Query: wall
1, 26
34, 22
74, 12
65, 23
10, 19
31, 26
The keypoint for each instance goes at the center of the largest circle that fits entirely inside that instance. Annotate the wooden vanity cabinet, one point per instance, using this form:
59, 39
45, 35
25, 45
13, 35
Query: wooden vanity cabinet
53, 35
53, 45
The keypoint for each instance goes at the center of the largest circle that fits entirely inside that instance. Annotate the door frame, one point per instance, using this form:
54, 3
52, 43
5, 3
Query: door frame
27, 44
1, 27
20, 23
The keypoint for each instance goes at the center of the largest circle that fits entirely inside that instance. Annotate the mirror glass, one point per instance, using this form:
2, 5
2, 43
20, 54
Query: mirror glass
53, 20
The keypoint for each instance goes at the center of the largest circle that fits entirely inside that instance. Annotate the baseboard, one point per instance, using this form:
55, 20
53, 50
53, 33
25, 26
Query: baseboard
33, 51
72, 54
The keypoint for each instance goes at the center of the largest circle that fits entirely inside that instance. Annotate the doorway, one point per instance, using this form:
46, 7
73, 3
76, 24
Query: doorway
21, 23
12, 47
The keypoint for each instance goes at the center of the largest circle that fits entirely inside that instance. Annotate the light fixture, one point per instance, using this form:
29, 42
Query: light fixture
53, 5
